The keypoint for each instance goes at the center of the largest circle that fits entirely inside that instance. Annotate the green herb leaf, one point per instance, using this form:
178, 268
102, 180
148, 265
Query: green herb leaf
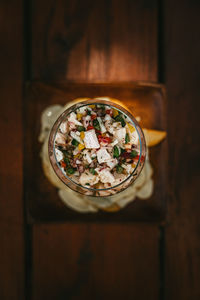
116, 152
67, 153
127, 138
133, 154
66, 160
75, 142
88, 112
92, 171
80, 128
71, 171
102, 106
96, 124
120, 119
119, 169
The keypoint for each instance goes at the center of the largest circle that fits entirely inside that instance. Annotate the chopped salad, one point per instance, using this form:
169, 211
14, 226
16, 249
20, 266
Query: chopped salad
97, 146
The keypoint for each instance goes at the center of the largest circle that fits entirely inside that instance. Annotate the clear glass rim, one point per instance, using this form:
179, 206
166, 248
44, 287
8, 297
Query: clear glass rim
61, 118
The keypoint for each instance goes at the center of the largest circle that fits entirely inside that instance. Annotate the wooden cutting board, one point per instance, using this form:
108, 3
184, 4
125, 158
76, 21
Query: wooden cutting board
146, 100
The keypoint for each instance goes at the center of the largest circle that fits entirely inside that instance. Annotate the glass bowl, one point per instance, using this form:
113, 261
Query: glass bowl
89, 190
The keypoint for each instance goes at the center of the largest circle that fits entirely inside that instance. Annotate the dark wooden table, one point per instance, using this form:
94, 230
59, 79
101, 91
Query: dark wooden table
101, 41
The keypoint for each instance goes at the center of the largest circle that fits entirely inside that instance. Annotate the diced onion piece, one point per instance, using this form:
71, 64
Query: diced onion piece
63, 127
112, 163
88, 158
60, 138
103, 128
75, 136
59, 154
107, 118
114, 143
72, 118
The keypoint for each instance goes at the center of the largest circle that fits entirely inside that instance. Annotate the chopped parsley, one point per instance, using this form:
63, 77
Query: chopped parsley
116, 152
96, 124
127, 138
133, 153
120, 119
92, 171
66, 160
88, 112
71, 171
119, 169
75, 142
80, 128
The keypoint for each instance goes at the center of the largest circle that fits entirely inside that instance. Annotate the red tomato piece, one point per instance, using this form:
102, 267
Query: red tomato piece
90, 127
98, 131
63, 164
137, 157
104, 139
93, 116
109, 112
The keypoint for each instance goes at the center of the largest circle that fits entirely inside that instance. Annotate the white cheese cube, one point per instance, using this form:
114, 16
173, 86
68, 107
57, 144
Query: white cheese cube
103, 155
106, 177
59, 154
90, 140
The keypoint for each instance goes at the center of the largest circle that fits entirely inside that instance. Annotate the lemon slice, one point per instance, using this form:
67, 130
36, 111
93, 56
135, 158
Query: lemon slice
153, 137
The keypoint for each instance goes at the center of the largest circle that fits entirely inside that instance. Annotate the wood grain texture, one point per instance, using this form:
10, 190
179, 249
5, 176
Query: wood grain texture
102, 261
182, 48
94, 40
11, 205
91, 41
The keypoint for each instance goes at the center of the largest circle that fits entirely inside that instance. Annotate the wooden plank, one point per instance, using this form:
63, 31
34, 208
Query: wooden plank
182, 48
99, 261
43, 202
95, 40
11, 205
